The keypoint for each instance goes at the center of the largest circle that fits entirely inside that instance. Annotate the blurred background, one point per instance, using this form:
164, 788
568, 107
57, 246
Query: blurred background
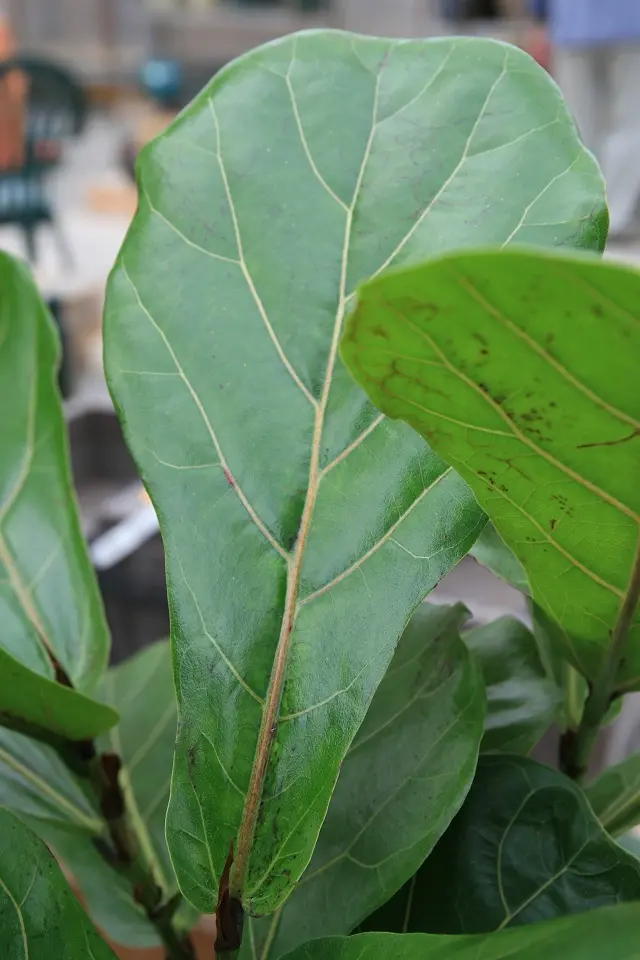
105, 76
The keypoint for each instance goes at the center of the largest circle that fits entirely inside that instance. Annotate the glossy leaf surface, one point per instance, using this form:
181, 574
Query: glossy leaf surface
50, 608
35, 783
615, 796
521, 370
525, 847
40, 918
403, 780
300, 527
522, 699
609, 933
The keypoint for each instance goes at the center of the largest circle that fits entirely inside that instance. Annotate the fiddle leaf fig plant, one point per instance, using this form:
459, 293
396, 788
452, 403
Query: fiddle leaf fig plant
330, 764
287, 503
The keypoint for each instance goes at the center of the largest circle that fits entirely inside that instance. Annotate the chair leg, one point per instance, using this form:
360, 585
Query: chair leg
29, 230
63, 246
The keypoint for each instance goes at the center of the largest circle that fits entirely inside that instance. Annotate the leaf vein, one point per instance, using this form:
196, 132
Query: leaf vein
508, 324
203, 413
515, 430
303, 138
245, 270
376, 546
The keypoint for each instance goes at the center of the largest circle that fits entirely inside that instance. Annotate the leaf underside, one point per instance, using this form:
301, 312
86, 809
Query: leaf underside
301, 528
520, 368
50, 608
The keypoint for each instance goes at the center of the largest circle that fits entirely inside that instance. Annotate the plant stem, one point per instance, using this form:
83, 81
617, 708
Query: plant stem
576, 745
127, 858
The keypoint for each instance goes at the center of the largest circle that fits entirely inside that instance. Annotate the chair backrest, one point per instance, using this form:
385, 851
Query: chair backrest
41, 106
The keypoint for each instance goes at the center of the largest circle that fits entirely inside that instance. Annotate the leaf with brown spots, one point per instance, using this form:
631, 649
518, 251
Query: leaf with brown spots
535, 427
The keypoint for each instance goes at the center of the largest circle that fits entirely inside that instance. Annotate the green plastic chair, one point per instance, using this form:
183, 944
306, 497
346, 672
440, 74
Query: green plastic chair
53, 110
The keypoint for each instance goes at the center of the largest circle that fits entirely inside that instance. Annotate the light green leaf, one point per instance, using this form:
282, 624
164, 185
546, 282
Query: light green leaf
40, 918
609, 934
615, 796
301, 528
403, 780
35, 784
522, 699
50, 608
38, 706
492, 552
525, 847
521, 369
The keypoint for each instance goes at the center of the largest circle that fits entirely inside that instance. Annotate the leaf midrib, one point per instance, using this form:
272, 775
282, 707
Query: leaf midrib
294, 566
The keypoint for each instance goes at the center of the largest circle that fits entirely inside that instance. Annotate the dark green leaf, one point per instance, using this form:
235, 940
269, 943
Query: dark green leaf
609, 934
50, 608
521, 369
36, 784
40, 918
525, 847
491, 551
403, 779
615, 796
522, 699
300, 527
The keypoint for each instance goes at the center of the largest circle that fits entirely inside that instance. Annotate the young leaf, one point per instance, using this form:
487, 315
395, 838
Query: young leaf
611, 933
522, 699
301, 528
40, 918
35, 783
525, 847
53, 626
403, 780
615, 796
520, 369
492, 552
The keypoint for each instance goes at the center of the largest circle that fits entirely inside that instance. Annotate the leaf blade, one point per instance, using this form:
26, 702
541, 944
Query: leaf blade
522, 698
403, 779
35, 783
40, 917
49, 601
610, 932
533, 850
266, 492
540, 460
615, 796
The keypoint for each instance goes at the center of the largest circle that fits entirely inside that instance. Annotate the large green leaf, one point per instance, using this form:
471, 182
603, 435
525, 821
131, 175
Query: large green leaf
40, 918
403, 780
50, 608
609, 934
522, 699
35, 784
521, 369
615, 796
525, 847
300, 527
